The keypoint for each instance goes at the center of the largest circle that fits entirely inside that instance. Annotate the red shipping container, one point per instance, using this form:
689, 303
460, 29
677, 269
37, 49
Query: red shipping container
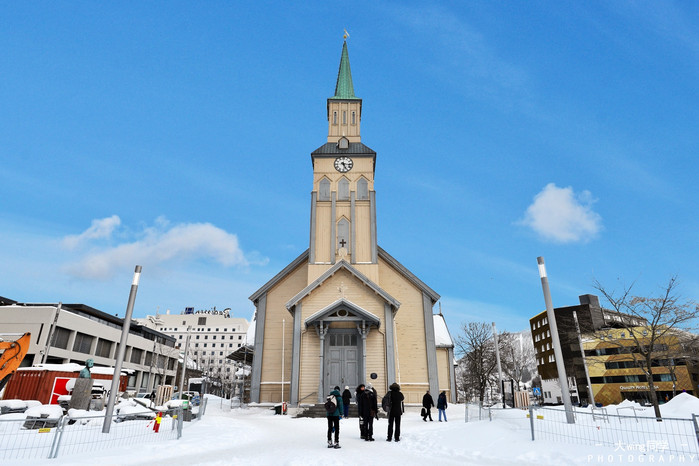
45, 385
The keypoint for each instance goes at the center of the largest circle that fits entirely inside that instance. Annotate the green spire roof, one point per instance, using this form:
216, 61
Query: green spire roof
344, 89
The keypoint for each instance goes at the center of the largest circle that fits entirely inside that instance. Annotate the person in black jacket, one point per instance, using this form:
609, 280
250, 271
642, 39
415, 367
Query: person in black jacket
395, 412
359, 396
442, 406
427, 405
369, 412
346, 398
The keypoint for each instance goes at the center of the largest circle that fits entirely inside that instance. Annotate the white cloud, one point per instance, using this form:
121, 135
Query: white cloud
559, 215
162, 244
100, 228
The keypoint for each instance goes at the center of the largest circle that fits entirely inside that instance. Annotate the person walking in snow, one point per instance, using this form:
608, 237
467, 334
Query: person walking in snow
396, 411
370, 411
442, 406
359, 396
334, 419
346, 398
427, 405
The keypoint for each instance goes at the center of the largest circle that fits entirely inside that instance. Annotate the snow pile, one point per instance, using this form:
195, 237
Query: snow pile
48, 411
129, 407
13, 404
681, 406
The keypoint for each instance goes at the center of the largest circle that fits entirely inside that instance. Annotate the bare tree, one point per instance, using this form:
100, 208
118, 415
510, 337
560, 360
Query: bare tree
663, 315
517, 356
478, 349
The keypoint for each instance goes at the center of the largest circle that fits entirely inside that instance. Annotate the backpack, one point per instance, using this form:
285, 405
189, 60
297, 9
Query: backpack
330, 405
386, 402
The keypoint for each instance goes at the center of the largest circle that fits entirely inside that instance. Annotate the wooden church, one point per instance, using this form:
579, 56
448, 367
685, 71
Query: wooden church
345, 311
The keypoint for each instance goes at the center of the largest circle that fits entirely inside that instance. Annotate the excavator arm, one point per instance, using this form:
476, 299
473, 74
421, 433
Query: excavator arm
13, 352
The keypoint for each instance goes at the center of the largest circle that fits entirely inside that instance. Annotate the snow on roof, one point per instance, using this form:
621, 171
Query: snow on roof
442, 338
250, 337
73, 367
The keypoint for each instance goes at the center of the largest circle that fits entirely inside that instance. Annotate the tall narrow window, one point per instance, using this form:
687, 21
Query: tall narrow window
324, 190
344, 117
343, 234
354, 118
362, 189
334, 118
343, 189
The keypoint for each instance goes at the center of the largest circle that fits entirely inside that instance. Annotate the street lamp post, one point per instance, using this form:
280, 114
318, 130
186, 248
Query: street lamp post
122, 351
558, 354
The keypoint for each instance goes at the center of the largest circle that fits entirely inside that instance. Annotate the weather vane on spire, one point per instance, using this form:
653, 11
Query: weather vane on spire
346, 35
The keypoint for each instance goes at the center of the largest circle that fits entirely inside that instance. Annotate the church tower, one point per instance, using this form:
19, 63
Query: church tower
345, 311
343, 207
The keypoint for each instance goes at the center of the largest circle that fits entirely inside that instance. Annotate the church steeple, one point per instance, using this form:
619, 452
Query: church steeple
344, 108
344, 89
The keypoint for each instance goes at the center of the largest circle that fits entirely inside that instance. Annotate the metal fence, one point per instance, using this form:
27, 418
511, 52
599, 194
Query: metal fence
628, 434
45, 438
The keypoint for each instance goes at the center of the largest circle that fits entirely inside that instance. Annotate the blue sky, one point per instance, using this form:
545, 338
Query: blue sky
177, 136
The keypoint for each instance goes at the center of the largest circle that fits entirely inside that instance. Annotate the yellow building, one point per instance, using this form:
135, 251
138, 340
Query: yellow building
615, 377
346, 312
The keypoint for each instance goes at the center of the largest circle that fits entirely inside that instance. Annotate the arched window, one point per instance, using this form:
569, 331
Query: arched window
343, 189
343, 143
343, 233
324, 190
362, 189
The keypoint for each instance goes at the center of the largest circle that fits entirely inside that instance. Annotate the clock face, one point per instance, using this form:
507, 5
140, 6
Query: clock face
343, 164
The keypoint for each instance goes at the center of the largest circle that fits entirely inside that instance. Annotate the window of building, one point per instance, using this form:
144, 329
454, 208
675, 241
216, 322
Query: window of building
343, 228
238, 345
344, 117
354, 118
136, 355
82, 343
60, 338
362, 189
206, 337
214, 337
149, 359
324, 190
204, 345
343, 189
104, 348
201, 321
240, 337
334, 118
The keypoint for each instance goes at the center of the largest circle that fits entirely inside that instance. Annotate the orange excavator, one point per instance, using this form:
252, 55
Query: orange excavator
11, 354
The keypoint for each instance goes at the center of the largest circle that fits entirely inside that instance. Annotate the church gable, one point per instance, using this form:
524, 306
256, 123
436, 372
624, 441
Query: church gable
356, 274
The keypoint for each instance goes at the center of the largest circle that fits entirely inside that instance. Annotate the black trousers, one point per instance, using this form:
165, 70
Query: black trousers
369, 427
334, 422
428, 413
391, 420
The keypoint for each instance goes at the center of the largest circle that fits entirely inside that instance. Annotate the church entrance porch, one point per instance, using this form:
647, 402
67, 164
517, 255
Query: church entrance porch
342, 362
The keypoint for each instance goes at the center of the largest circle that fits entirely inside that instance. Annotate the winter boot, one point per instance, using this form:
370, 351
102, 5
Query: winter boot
330, 444
337, 445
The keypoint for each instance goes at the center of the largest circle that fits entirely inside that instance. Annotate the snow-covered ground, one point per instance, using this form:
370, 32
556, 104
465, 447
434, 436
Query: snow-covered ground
257, 436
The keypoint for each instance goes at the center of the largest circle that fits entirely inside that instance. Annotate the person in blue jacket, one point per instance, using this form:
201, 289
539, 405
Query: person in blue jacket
334, 419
